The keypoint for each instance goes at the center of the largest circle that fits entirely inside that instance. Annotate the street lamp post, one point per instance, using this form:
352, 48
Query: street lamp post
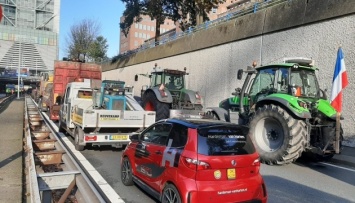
19, 69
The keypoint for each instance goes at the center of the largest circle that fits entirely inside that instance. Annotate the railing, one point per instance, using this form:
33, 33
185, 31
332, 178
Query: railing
53, 167
204, 26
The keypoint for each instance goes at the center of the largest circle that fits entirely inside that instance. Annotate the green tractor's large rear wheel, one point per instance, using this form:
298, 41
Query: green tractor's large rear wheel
151, 103
278, 137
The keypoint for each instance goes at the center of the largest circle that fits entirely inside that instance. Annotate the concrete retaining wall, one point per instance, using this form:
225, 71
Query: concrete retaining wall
213, 68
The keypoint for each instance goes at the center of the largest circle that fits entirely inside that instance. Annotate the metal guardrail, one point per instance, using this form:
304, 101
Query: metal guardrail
5, 100
204, 26
72, 178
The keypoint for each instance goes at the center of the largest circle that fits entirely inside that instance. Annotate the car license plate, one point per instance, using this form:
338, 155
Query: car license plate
118, 137
231, 173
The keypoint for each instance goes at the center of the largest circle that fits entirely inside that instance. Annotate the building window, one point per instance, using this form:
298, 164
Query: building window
140, 35
144, 36
135, 43
140, 26
136, 25
148, 27
135, 34
152, 28
214, 10
144, 27
148, 36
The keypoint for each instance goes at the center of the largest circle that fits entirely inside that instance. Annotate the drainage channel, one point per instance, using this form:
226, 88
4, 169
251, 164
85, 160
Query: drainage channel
54, 174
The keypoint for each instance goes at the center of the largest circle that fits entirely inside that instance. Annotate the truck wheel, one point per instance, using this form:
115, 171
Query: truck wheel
78, 135
60, 127
278, 137
40, 104
126, 172
151, 103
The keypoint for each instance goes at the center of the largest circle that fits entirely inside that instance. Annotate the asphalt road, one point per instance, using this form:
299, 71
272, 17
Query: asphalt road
299, 182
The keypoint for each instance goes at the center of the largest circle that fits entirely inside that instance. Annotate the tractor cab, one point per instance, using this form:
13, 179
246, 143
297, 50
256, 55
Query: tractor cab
111, 95
294, 77
171, 79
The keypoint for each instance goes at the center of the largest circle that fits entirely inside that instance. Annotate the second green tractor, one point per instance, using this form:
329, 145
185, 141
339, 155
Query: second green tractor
287, 112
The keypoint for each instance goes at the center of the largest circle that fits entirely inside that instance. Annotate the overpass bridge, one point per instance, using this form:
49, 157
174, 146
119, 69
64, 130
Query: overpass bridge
30, 81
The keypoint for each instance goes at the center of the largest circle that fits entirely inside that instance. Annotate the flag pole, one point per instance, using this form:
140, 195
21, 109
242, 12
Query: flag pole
337, 134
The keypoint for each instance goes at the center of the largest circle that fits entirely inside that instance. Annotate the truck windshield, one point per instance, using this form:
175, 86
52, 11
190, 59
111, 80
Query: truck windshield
84, 94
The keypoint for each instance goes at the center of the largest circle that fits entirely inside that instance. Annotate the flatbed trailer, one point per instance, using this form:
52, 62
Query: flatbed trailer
89, 124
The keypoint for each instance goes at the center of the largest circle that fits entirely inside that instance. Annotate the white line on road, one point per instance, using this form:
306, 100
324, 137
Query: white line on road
328, 164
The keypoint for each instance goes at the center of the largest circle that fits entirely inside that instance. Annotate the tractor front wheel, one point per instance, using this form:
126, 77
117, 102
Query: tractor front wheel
151, 103
278, 137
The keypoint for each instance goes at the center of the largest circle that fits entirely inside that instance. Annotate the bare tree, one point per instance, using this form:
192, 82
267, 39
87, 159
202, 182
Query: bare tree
80, 38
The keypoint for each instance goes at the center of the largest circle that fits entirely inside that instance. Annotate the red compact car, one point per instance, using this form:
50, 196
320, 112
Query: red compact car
194, 160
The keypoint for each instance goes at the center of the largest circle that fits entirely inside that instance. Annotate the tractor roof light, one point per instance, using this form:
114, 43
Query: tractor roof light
300, 60
254, 64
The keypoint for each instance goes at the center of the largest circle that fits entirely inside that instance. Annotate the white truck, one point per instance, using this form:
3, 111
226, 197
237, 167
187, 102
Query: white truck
101, 113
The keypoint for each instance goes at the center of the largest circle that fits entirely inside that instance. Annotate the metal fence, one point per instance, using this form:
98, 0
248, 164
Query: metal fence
258, 6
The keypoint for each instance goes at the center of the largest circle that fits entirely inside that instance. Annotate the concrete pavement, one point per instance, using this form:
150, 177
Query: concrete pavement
11, 152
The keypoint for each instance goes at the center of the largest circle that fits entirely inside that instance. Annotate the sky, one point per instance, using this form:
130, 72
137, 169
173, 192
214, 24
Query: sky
106, 12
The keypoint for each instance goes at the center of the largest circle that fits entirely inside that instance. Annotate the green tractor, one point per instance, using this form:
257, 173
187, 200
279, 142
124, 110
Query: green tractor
168, 96
288, 114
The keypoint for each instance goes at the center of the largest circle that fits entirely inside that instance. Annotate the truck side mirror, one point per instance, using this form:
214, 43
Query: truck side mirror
240, 74
136, 78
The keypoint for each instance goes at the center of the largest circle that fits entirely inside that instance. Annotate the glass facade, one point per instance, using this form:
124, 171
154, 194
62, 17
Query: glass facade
29, 34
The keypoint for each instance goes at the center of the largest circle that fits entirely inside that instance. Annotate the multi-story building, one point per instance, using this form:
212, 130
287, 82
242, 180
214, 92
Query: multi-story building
29, 33
145, 30
142, 31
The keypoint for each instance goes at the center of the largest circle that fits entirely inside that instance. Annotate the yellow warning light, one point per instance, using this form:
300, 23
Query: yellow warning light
254, 64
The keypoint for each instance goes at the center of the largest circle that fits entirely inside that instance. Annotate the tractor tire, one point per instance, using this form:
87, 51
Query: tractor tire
278, 137
151, 103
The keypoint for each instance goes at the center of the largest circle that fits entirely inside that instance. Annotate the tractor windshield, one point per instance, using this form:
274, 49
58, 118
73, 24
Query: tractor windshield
300, 83
263, 82
304, 83
174, 81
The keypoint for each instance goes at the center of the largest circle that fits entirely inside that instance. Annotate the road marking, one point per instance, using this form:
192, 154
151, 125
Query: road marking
341, 167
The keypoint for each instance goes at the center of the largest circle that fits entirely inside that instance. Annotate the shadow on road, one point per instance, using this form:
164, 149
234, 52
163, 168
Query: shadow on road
10, 159
294, 192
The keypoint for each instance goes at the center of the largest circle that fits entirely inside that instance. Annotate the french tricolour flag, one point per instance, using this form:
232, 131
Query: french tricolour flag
340, 81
